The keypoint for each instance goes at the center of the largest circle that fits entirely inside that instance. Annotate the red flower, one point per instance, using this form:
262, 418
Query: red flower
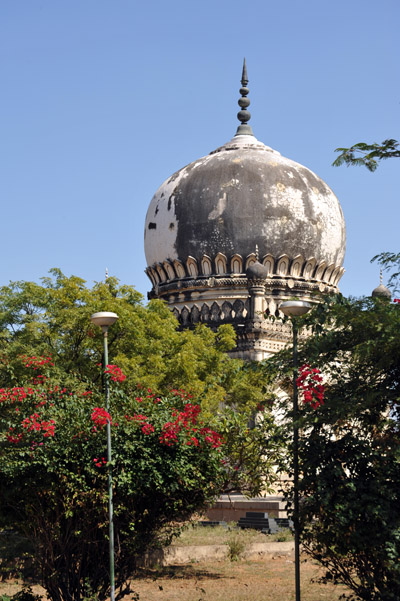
309, 383
115, 373
101, 417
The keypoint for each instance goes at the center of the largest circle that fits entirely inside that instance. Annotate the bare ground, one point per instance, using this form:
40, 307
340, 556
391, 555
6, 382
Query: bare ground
270, 579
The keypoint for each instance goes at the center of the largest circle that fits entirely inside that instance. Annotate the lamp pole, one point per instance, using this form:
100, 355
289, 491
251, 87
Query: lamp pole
104, 319
295, 309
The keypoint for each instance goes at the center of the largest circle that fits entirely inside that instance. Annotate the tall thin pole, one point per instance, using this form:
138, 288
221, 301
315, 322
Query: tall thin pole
296, 465
110, 483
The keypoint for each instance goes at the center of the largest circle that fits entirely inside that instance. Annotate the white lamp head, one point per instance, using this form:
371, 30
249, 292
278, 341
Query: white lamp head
294, 308
104, 319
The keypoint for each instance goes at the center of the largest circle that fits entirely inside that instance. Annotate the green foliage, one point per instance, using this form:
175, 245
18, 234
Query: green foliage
53, 478
251, 451
53, 318
349, 449
53, 487
367, 155
236, 545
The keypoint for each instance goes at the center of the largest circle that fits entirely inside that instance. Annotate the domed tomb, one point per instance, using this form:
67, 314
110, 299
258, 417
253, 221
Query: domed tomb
205, 221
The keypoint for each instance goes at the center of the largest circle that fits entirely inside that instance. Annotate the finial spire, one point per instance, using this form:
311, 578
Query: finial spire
244, 115
106, 278
381, 277
257, 254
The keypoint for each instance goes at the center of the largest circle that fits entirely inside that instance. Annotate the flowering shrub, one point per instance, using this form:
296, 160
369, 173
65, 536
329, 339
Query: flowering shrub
310, 384
115, 373
166, 464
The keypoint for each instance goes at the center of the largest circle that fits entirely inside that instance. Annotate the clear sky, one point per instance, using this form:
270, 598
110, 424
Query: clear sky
102, 100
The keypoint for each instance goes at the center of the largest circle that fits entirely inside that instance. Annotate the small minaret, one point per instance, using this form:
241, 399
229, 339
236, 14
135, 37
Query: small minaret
381, 291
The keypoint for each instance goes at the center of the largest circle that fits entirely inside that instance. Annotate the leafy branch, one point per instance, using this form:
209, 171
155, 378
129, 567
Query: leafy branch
367, 155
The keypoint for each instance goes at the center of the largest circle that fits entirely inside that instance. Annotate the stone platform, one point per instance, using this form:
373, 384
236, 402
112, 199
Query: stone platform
230, 508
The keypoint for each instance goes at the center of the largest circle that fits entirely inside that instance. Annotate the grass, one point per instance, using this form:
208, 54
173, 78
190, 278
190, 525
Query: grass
267, 580
218, 535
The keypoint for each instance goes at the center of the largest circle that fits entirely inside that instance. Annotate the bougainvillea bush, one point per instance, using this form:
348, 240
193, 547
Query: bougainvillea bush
166, 464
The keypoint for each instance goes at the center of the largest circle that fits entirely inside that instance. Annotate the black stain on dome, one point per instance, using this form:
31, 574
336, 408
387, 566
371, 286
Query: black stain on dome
238, 200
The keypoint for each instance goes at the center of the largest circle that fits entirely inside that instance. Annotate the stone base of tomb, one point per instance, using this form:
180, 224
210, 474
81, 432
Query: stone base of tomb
230, 508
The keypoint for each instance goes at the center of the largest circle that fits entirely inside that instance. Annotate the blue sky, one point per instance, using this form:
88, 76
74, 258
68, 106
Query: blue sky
103, 100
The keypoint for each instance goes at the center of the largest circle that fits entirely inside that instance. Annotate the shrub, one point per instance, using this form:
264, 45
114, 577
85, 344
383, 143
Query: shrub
53, 476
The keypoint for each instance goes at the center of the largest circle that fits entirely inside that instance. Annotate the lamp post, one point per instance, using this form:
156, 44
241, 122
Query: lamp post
105, 319
294, 309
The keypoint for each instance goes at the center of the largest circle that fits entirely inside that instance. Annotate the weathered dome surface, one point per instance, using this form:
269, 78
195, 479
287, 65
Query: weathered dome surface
243, 194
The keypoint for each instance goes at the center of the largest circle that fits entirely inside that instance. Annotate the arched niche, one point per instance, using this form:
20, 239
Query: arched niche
161, 273
195, 317
236, 264
328, 272
205, 313
185, 316
309, 268
206, 265
226, 311
220, 263
250, 259
320, 270
238, 308
282, 267
179, 269
154, 276
169, 270
269, 263
215, 312
297, 266
191, 265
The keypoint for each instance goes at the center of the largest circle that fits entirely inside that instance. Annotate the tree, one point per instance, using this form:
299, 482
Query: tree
53, 318
368, 155
349, 450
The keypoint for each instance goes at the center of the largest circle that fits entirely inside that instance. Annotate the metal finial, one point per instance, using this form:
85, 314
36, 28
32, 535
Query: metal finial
381, 276
257, 255
244, 115
245, 79
106, 278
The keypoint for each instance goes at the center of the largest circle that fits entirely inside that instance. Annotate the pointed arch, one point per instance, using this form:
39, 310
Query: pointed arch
297, 266
269, 263
250, 259
206, 265
179, 268
220, 263
169, 270
309, 268
236, 264
161, 273
191, 266
282, 267
320, 270
328, 272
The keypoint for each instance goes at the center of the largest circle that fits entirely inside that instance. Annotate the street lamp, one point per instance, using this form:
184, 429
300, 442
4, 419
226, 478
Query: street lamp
295, 309
105, 319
